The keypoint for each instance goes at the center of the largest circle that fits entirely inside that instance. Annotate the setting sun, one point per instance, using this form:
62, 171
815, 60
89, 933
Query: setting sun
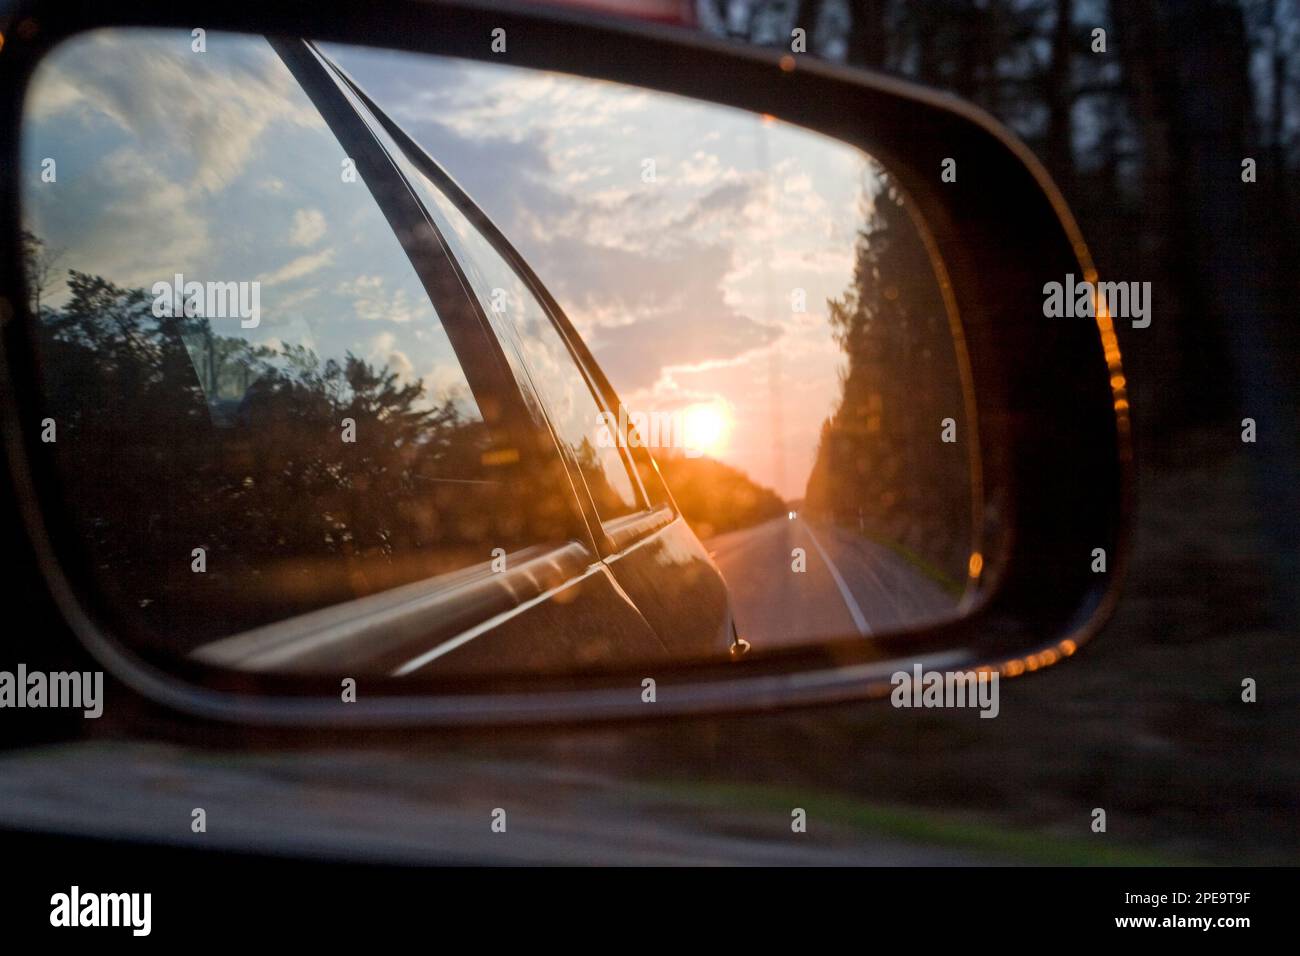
707, 426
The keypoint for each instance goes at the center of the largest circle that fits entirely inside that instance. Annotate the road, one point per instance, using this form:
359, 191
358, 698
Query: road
429, 804
851, 585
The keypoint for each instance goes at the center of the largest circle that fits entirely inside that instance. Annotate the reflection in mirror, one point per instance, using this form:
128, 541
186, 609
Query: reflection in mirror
362, 362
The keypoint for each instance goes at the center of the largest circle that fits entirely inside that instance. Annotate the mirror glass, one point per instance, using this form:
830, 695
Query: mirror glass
358, 362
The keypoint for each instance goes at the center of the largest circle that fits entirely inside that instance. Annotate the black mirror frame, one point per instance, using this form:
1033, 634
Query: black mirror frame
1053, 413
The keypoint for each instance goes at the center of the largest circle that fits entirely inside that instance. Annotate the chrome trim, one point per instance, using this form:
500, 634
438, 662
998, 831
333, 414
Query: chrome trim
624, 532
383, 623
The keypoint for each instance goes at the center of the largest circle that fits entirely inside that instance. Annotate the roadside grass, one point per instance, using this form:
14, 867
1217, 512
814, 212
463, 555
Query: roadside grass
1000, 844
921, 565
948, 583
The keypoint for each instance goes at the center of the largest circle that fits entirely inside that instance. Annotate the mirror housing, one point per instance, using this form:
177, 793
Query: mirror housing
1053, 413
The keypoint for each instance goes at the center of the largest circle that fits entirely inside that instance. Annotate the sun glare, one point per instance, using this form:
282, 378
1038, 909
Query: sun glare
707, 426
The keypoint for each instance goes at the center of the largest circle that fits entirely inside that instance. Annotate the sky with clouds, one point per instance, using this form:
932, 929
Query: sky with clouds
216, 166
682, 286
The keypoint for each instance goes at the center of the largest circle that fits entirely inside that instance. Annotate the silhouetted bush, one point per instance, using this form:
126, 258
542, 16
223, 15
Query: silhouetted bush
714, 497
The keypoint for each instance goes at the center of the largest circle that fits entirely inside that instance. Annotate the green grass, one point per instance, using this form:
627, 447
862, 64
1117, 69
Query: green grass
940, 577
1001, 844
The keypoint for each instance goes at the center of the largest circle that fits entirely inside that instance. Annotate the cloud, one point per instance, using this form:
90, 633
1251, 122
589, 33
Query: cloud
724, 202
202, 111
308, 227
131, 199
446, 381
700, 170
397, 361
510, 176
297, 268
372, 302
692, 326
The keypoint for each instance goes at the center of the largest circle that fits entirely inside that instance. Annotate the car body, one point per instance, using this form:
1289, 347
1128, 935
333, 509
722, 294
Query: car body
629, 588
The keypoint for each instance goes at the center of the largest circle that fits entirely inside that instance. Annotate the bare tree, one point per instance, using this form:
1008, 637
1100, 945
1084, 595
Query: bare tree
40, 265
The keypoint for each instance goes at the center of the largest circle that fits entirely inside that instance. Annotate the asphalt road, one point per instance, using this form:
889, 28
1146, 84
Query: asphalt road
420, 806
851, 585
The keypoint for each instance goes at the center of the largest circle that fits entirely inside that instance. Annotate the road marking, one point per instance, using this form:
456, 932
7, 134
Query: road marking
859, 619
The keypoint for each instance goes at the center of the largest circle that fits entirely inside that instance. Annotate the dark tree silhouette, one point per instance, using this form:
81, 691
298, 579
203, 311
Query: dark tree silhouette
173, 438
714, 497
881, 466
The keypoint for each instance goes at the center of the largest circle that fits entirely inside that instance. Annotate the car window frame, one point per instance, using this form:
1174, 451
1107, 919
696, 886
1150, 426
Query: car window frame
477, 350
654, 510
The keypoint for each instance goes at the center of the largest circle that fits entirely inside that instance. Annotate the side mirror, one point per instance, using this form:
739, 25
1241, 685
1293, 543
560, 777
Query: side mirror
445, 363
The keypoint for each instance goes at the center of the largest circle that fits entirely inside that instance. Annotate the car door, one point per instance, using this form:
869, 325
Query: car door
654, 555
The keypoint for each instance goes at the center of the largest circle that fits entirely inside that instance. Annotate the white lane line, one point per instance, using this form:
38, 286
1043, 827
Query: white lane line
859, 619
